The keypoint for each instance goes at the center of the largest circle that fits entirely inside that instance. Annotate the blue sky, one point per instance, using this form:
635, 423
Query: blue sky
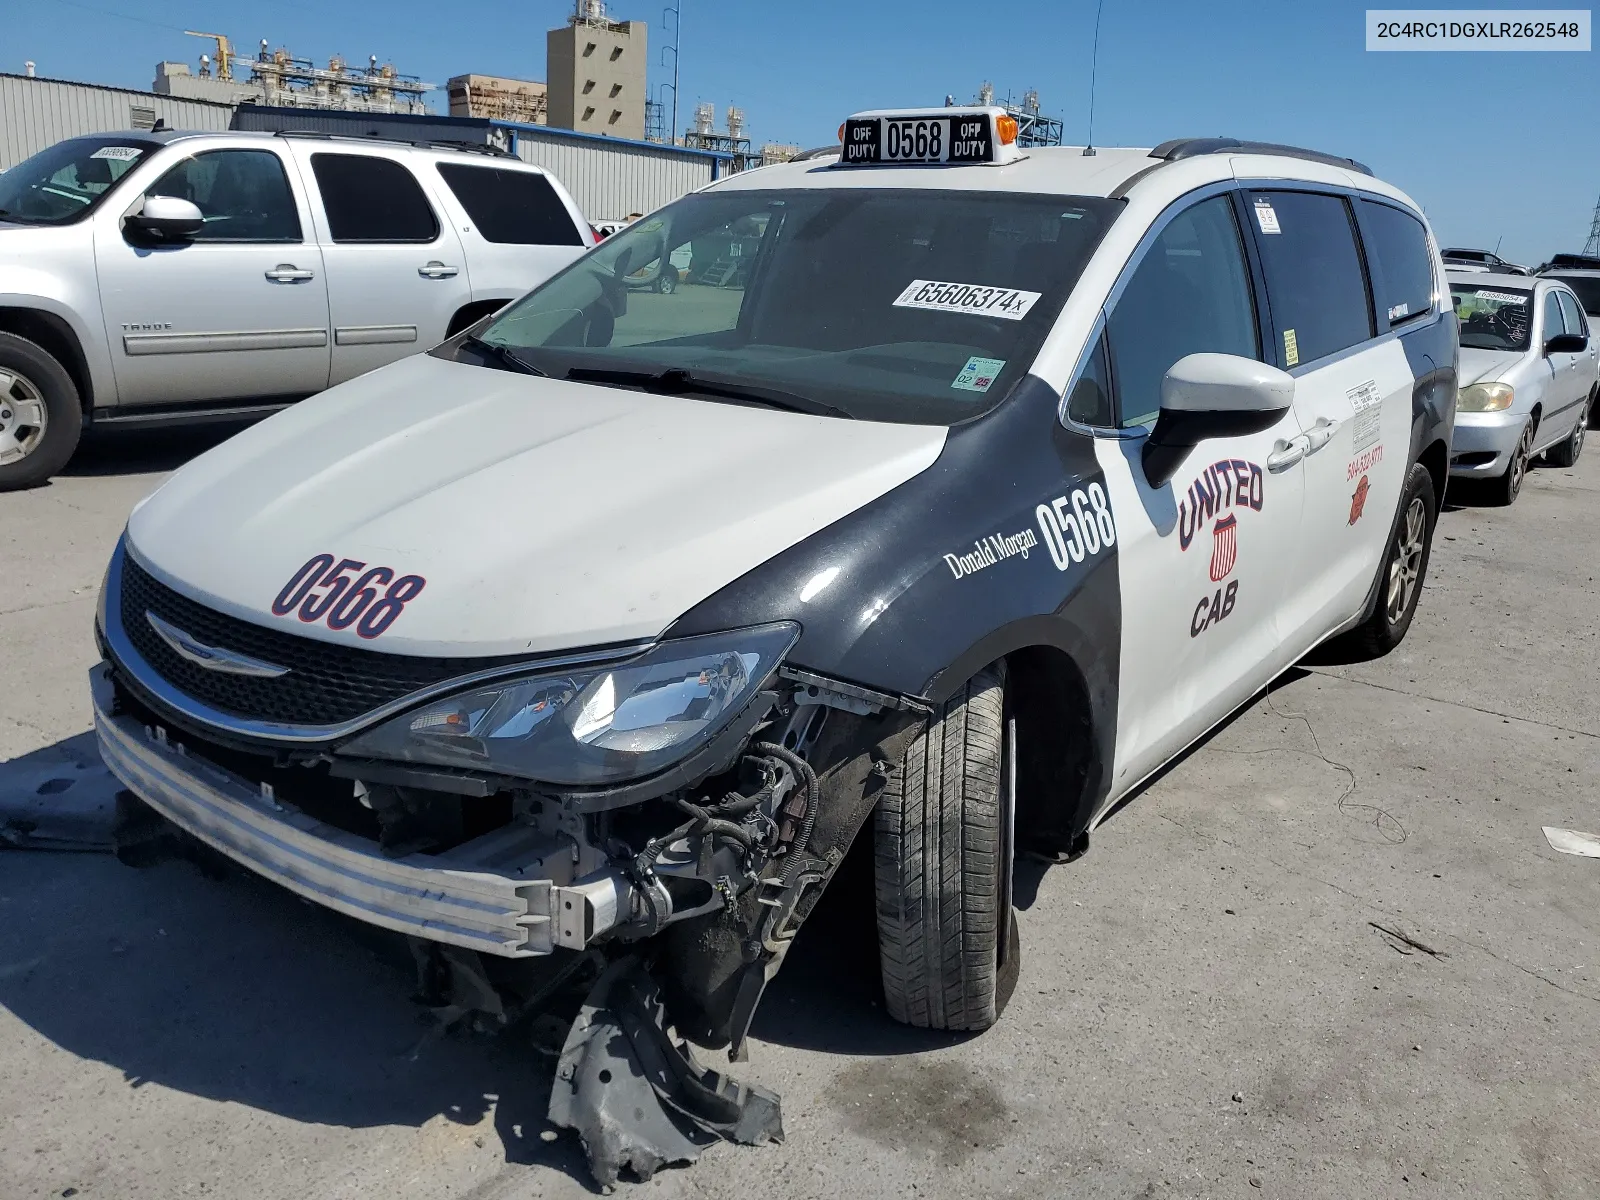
1495, 146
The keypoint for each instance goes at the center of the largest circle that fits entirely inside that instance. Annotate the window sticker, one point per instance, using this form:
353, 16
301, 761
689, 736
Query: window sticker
117, 153
979, 374
1265, 216
1367, 403
1291, 348
1011, 304
1502, 297
1398, 311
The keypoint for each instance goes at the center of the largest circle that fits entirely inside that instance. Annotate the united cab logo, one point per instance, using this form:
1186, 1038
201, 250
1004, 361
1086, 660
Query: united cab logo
1218, 494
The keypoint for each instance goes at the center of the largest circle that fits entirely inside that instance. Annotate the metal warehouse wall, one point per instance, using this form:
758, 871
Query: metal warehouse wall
610, 178
36, 113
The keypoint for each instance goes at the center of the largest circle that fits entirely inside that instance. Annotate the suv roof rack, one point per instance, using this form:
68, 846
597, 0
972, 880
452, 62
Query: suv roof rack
818, 152
424, 144
1180, 148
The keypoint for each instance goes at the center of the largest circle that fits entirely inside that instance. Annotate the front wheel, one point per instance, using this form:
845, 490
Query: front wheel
1566, 453
40, 417
1508, 487
667, 282
942, 849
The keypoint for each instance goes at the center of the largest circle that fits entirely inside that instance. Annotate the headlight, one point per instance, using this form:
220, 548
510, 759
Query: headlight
1484, 397
593, 726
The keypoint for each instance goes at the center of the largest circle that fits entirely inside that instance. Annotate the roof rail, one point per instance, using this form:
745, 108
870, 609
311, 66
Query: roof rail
1180, 148
435, 144
818, 152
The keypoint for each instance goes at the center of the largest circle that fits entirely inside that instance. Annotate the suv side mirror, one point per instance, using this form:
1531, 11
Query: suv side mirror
167, 217
1212, 396
1567, 343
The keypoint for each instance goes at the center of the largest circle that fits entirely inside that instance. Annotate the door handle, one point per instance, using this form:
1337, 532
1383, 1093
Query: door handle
288, 273
1320, 434
1285, 454
437, 270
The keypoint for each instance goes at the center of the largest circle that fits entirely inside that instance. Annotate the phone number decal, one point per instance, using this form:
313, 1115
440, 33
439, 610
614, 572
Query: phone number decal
347, 593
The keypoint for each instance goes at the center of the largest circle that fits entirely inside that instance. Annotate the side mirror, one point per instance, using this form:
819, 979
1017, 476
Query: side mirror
1567, 343
1212, 396
166, 217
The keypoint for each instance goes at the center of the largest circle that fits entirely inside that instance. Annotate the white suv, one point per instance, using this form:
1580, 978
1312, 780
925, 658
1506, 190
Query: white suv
174, 276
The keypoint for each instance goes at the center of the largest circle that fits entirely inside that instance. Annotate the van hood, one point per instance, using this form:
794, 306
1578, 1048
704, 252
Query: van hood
1486, 366
544, 515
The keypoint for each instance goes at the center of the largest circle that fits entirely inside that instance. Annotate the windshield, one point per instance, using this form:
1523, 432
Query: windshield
885, 304
1588, 289
66, 182
1492, 318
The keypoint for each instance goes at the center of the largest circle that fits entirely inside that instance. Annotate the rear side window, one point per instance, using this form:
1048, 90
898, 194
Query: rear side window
1315, 283
1190, 294
517, 208
371, 199
1397, 255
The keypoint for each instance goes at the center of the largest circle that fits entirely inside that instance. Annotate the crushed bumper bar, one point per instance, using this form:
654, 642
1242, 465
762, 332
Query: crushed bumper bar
473, 896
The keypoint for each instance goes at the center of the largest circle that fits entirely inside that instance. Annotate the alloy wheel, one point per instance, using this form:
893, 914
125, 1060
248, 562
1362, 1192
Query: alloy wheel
1579, 432
23, 417
1405, 568
1519, 462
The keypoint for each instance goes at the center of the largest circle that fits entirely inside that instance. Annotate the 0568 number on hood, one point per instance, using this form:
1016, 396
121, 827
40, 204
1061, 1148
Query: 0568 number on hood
347, 594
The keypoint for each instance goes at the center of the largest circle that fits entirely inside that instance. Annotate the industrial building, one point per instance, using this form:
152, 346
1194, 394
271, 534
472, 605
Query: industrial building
279, 79
498, 98
36, 113
595, 73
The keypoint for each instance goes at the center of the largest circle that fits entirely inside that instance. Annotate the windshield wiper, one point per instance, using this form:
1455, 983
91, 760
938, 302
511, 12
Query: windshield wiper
503, 355
676, 381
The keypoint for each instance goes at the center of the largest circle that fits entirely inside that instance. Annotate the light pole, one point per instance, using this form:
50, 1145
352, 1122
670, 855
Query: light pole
677, 37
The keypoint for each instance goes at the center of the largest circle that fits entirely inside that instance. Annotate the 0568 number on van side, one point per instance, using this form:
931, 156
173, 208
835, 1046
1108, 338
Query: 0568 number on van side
1078, 526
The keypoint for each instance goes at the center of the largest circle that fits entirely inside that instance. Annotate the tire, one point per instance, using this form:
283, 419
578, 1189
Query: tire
1405, 567
1565, 454
942, 847
667, 282
1505, 490
41, 417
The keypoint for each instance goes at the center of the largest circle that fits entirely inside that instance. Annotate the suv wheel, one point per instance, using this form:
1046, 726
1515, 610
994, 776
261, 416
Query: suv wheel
40, 417
942, 847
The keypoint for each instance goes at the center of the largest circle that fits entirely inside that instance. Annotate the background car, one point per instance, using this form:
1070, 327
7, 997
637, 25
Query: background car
1457, 258
1585, 284
174, 277
1529, 372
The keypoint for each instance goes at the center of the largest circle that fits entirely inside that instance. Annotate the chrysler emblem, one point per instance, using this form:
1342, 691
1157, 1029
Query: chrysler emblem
212, 658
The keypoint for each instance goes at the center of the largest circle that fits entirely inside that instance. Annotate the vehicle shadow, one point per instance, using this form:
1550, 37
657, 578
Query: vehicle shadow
111, 451
236, 991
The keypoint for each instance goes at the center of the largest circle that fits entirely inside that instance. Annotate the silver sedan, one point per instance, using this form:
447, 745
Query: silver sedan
1529, 374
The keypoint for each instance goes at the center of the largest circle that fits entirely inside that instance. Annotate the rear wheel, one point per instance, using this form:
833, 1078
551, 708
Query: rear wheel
943, 844
667, 282
40, 416
1566, 453
1405, 566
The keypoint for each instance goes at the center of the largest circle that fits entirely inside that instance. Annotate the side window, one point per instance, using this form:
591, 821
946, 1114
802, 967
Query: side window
517, 208
1402, 267
1090, 401
1314, 279
244, 195
372, 199
1569, 309
1190, 293
1552, 316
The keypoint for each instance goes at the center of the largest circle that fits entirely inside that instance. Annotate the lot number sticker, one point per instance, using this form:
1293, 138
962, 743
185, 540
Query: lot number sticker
117, 153
1011, 304
1266, 217
1077, 527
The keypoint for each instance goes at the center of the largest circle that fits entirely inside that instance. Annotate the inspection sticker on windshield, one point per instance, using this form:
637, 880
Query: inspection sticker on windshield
978, 375
119, 153
1008, 303
1502, 297
1265, 216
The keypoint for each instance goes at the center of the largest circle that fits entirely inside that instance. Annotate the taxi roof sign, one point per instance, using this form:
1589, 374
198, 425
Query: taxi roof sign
981, 136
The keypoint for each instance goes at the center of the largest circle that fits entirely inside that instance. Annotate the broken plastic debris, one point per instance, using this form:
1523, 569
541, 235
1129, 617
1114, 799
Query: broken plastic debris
1570, 841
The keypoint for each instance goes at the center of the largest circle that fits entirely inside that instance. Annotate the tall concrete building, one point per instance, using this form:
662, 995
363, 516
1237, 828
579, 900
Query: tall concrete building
595, 73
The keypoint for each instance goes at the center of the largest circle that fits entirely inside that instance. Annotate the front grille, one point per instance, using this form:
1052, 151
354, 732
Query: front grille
327, 684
